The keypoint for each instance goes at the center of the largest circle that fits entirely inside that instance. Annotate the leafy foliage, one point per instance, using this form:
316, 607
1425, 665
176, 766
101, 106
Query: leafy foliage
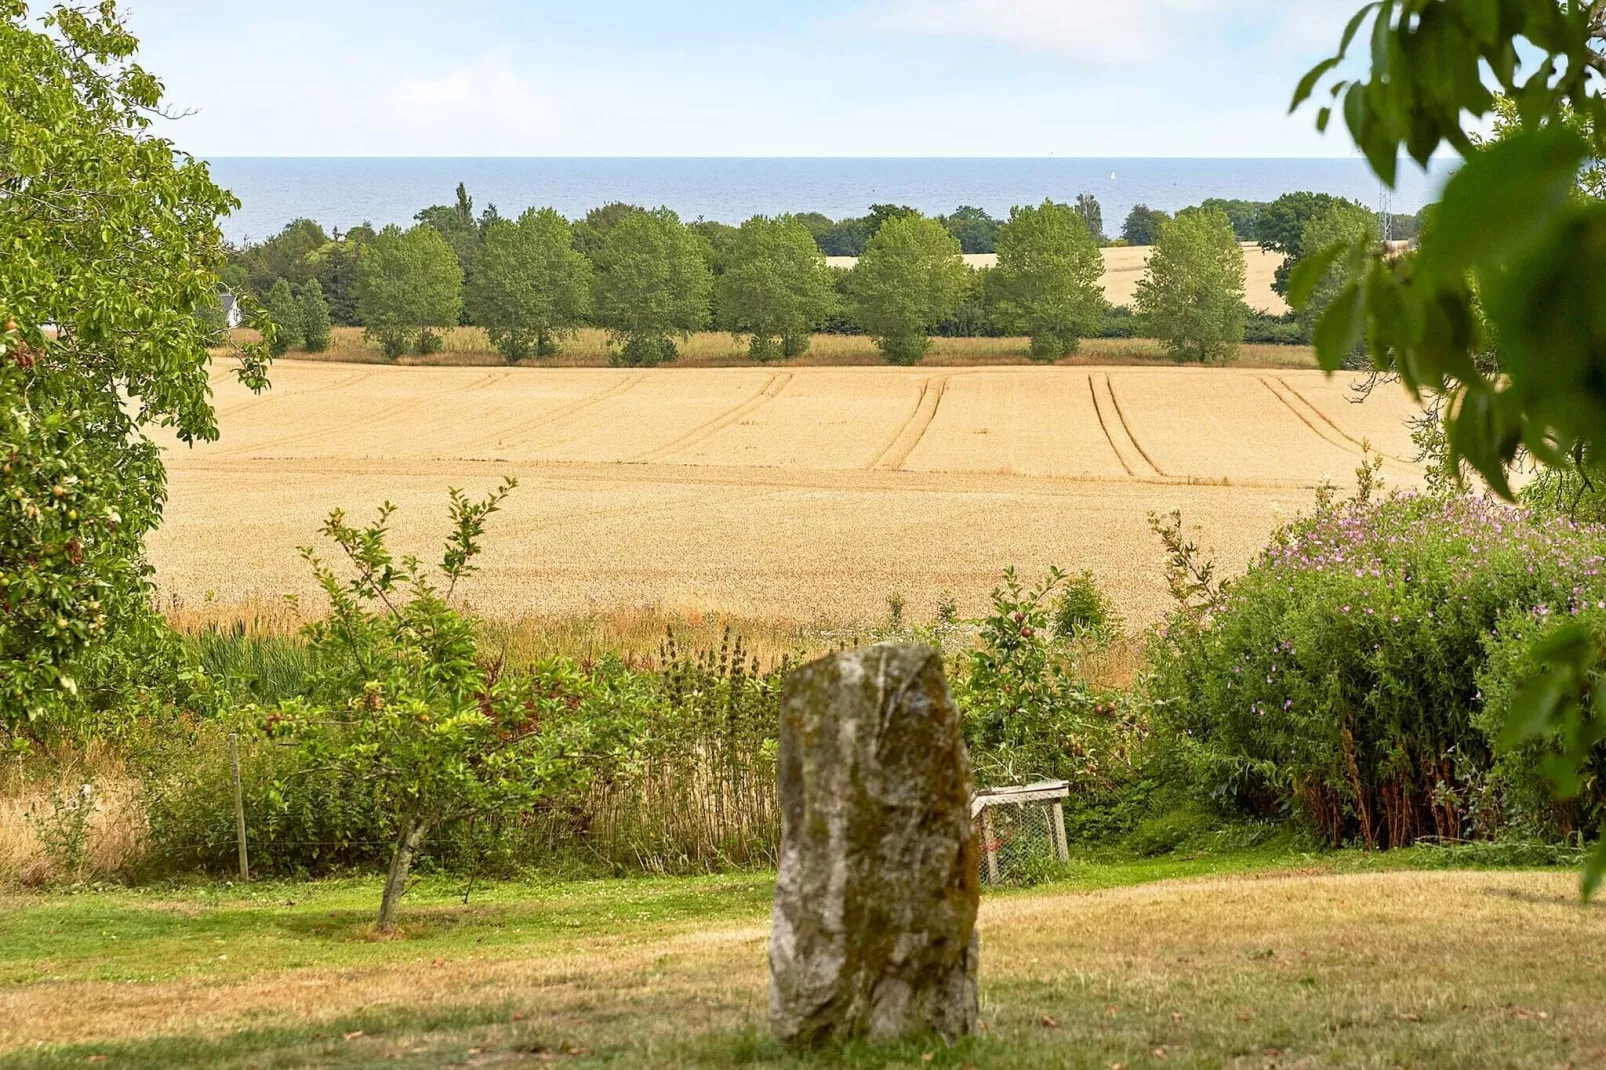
1047, 282
530, 286
1087, 206
1193, 295
285, 312
1142, 226
315, 325
1514, 252
652, 282
1028, 716
112, 262
776, 287
400, 696
910, 278
975, 230
1340, 678
407, 283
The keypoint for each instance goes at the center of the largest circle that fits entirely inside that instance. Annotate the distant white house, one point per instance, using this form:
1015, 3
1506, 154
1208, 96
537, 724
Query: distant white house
231, 310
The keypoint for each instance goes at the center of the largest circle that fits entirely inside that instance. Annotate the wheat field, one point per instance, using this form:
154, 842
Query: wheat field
807, 494
1125, 266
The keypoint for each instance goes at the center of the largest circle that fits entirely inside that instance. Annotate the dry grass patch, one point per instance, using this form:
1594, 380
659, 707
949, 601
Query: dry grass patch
469, 347
1443, 969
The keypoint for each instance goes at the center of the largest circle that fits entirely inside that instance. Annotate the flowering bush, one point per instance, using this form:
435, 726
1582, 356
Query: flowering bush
1340, 678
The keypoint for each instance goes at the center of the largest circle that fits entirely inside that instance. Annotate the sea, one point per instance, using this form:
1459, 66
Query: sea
345, 191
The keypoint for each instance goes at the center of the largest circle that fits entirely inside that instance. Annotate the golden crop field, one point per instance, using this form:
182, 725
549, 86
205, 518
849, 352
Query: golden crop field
808, 494
1125, 266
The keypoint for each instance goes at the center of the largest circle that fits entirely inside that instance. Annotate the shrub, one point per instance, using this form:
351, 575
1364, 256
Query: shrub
1339, 679
1083, 610
1521, 793
1027, 716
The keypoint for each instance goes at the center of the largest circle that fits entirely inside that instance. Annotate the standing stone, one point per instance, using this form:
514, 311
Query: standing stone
875, 903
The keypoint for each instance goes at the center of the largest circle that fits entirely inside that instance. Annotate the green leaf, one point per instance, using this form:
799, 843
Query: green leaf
1339, 330
1500, 201
1309, 272
1307, 84
1594, 869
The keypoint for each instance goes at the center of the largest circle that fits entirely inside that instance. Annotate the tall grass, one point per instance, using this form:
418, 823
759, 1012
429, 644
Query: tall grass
469, 346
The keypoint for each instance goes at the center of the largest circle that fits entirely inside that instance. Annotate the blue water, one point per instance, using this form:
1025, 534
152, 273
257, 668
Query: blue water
342, 192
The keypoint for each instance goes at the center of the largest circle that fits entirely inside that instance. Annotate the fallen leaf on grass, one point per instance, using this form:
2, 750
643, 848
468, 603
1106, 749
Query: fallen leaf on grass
1049, 1023
517, 1017
1410, 1017
1529, 1016
1246, 1017
1111, 1011
928, 1056
353, 1035
1178, 1016
98, 1058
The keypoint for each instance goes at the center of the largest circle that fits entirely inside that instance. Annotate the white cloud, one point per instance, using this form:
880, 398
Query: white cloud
485, 102
1107, 32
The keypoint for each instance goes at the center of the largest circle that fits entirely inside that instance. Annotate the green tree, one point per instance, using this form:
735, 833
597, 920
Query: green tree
1142, 226
1245, 215
775, 288
457, 225
408, 283
590, 232
652, 282
113, 256
1513, 253
286, 255
285, 312
1342, 222
910, 278
315, 326
530, 285
1280, 228
402, 699
1047, 279
1193, 294
1092, 213
976, 230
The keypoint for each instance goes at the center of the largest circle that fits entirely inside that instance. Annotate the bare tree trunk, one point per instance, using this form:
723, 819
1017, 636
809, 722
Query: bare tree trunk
408, 839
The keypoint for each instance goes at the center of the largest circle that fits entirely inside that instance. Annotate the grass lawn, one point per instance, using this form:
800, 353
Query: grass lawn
1265, 959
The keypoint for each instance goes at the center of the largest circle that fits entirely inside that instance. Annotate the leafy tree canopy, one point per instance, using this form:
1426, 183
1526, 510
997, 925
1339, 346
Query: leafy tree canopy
407, 283
1047, 279
652, 282
1142, 226
776, 287
530, 285
910, 278
976, 231
1193, 294
111, 266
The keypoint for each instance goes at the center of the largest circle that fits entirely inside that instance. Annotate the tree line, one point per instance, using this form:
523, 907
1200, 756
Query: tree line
647, 278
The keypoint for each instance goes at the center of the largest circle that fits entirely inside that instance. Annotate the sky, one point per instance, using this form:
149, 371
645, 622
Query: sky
1089, 78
